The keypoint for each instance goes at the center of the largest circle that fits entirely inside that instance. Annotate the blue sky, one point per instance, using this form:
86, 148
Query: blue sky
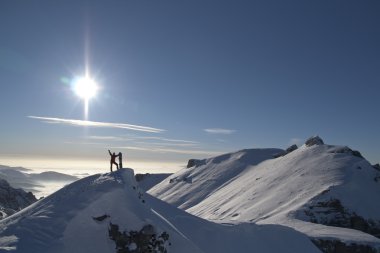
263, 73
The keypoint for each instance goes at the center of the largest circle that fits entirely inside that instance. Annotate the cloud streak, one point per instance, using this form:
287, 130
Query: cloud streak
169, 150
165, 139
219, 131
75, 122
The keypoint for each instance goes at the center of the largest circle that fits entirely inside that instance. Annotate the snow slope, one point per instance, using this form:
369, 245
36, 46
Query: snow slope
189, 187
292, 190
63, 222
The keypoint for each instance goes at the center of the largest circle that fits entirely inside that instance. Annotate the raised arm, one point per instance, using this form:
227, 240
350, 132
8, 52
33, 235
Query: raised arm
109, 152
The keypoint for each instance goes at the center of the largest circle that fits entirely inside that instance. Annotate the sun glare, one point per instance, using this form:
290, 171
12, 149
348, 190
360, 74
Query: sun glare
85, 88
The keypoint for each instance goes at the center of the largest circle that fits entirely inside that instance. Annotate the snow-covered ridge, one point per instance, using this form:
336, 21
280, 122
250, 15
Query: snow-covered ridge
106, 212
188, 187
316, 183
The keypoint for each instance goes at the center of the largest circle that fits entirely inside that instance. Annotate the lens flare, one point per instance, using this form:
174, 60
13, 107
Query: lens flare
85, 88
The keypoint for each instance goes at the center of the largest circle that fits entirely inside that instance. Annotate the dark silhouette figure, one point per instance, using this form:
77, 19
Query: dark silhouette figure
120, 160
113, 158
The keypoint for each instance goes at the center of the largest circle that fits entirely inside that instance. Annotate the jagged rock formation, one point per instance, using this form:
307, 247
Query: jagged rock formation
194, 162
13, 200
287, 151
315, 140
332, 213
335, 246
145, 240
347, 150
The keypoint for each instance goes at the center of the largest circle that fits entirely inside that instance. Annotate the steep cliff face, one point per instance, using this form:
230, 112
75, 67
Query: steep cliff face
13, 200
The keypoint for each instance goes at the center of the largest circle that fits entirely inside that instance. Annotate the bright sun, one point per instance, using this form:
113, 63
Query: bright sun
85, 87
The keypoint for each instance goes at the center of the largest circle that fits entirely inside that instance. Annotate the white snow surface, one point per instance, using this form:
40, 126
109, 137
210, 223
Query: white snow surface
251, 186
63, 222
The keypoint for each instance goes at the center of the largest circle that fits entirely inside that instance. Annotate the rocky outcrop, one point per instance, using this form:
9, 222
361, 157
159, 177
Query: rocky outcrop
291, 148
13, 200
376, 166
145, 240
194, 162
347, 150
315, 140
332, 213
335, 246
287, 151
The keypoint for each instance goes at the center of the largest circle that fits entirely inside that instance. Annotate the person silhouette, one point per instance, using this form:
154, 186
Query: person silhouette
113, 158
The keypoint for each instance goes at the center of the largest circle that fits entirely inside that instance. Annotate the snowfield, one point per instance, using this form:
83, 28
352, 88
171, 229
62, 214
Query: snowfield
64, 222
325, 192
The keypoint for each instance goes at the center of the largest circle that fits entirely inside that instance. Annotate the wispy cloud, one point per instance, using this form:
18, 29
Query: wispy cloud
163, 144
106, 138
219, 131
149, 140
75, 122
169, 150
165, 139
82, 143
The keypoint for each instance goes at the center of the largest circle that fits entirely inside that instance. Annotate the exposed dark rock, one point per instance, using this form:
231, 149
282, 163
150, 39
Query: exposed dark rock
291, 148
376, 166
332, 213
143, 241
279, 154
287, 151
195, 162
315, 140
342, 150
181, 179
101, 218
335, 246
13, 200
357, 153
347, 150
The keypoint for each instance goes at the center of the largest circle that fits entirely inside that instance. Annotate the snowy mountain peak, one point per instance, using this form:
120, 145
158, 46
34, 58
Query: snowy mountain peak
79, 217
320, 190
314, 140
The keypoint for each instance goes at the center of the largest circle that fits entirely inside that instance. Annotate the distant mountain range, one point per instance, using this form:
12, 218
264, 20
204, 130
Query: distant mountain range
19, 177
